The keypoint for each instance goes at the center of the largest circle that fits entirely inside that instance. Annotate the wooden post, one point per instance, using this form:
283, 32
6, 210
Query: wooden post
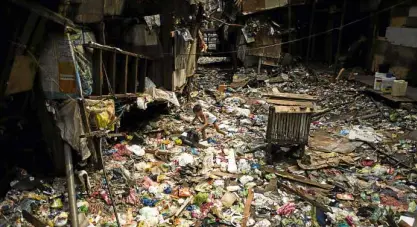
372, 37
329, 39
112, 72
142, 75
310, 31
167, 46
98, 72
289, 27
259, 64
339, 42
29, 29
133, 76
123, 79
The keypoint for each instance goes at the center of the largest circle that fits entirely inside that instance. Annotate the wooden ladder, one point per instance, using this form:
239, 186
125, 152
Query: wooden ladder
123, 75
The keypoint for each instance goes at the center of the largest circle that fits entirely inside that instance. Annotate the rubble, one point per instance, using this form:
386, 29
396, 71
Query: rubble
356, 171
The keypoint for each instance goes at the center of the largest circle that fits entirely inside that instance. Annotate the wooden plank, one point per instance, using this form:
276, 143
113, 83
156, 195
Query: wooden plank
290, 103
123, 78
248, 203
133, 76
97, 72
293, 109
391, 98
291, 96
112, 71
303, 180
120, 96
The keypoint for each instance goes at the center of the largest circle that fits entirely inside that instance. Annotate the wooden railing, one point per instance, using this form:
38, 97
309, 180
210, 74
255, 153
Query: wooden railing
123, 77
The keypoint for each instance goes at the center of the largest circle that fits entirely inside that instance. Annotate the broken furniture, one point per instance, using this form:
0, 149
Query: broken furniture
289, 120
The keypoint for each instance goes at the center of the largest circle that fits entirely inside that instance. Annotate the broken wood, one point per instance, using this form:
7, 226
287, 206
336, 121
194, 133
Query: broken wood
257, 148
298, 179
246, 212
304, 196
290, 103
32, 219
364, 117
332, 108
156, 152
222, 174
291, 96
187, 201
387, 155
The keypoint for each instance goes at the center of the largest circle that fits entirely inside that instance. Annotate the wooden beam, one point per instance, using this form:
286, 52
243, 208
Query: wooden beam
303, 180
133, 76
123, 77
310, 31
44, 12
28, 29
112, 71
291, 96
86, 125
339, 41
114, 49
98, 72
119, 96
39, 33
246, 212
289, 27
142, 75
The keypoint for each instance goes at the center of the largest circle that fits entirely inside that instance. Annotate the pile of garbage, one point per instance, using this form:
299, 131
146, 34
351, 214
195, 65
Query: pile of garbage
357, 170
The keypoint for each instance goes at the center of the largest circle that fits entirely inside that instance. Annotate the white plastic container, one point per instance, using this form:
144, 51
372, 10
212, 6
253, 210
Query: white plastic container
399, 88
387, 83
378, 80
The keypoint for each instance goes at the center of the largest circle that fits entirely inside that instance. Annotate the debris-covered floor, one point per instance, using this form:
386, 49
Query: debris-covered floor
357, 170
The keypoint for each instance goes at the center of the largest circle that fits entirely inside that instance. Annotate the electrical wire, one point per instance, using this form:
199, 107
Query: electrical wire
288, 42
310, 36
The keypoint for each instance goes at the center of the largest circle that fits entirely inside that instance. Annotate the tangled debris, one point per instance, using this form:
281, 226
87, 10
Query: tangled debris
358, 168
